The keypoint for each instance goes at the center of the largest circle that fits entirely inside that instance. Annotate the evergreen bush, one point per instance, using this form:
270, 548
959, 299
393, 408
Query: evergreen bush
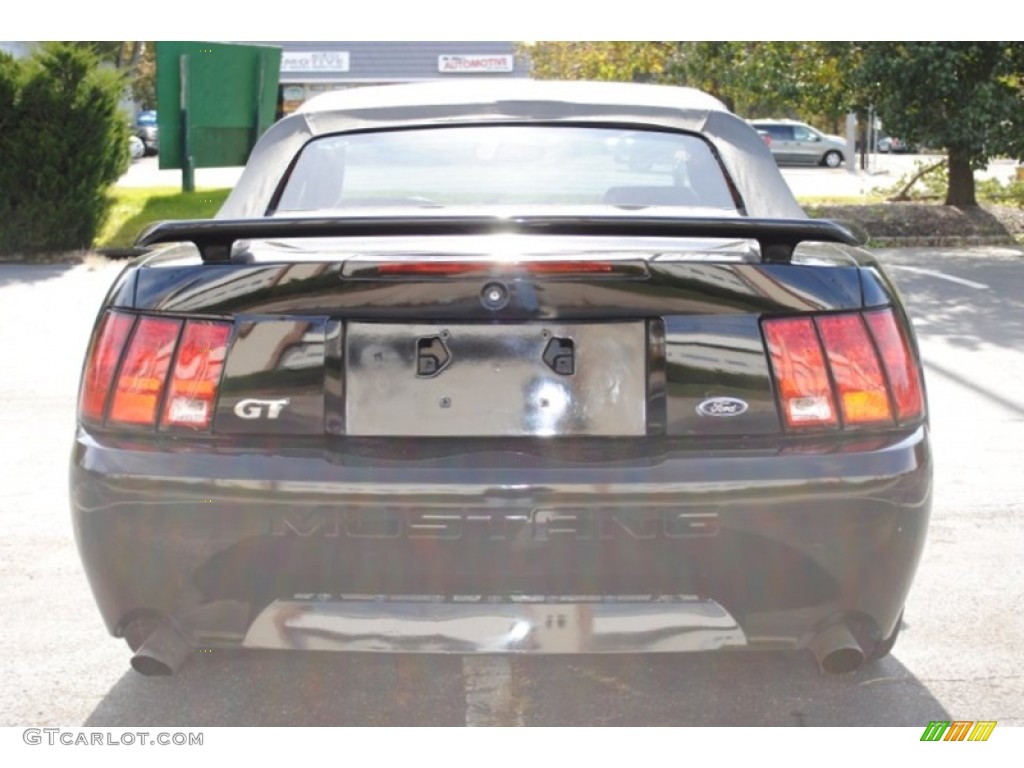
63, 143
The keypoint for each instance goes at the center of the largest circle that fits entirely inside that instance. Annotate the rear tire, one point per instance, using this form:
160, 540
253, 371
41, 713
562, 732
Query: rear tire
832, 159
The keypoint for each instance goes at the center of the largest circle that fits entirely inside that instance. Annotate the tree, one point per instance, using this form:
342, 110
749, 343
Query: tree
136, 60
758, 79
64, 143
965, 97
590, 60
809, 80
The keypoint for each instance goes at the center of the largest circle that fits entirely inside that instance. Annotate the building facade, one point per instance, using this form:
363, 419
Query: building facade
311, 68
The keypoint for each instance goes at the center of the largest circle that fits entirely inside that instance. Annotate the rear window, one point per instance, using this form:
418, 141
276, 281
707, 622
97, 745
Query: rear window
506, 166
779, 132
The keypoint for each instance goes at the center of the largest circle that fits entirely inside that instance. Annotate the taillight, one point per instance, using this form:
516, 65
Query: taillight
858, 363
170, 370
196, 376
855, 369
102, 363
140, 384
899, 363
804, 391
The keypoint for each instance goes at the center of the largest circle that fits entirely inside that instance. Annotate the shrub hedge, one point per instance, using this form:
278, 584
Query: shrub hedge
63, 143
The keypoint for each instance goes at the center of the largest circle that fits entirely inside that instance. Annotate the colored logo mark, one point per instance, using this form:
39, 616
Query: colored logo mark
958, 730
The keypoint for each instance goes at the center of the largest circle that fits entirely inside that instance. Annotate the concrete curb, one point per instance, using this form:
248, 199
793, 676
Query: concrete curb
940, 241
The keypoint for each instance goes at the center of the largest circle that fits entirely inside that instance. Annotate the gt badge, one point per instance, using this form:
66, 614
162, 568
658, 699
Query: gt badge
252, 408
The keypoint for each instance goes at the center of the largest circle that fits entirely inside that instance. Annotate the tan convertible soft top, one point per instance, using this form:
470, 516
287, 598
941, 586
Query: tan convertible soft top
746, 158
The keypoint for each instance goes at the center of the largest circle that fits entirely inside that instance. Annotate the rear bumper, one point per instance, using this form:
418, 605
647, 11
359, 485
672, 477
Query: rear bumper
494, 624
454, 550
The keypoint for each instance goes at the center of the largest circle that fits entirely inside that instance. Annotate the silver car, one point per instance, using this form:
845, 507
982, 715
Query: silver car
794, 142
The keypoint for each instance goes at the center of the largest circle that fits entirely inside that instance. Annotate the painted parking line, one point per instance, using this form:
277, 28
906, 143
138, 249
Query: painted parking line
942, 276
490, 699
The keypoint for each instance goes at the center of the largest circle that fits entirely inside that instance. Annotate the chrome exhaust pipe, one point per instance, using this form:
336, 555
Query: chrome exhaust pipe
163, 652
837, 650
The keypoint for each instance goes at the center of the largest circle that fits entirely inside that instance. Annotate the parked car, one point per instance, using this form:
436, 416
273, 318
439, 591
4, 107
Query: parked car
895, 145
509, 402
146, 128
794, 142
136, 148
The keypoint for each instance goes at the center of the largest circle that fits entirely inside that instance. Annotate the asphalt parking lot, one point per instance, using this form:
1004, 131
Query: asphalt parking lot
958, 657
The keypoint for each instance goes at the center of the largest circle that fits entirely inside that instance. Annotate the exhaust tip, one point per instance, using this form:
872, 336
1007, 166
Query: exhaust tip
842, 662
163, 652
151, 667
837, 650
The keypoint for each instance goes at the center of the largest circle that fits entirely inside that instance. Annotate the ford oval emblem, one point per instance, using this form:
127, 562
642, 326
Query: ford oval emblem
722, 406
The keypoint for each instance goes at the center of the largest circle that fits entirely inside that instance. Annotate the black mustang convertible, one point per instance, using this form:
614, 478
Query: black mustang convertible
513, 367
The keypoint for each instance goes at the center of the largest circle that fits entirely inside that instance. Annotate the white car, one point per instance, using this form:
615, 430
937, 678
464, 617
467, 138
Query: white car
135, 147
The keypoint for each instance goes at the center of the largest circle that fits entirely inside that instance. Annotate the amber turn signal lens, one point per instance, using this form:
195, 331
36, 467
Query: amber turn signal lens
855, 369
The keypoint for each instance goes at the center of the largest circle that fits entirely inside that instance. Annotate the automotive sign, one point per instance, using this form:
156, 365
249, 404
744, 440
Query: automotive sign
314, 61
475, 63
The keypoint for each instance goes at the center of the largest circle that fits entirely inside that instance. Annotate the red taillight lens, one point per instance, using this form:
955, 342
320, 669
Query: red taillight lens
102, 363
856, 370
567, 267
431, 268
144, 371
863, 363
899, 363
804, 391
491, 268
196, 376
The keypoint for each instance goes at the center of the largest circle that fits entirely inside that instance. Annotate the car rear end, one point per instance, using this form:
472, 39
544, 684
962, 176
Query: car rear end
321, 454
639, 427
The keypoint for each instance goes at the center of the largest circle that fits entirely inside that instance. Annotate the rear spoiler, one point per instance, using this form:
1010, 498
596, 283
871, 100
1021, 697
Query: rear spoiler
777, 237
